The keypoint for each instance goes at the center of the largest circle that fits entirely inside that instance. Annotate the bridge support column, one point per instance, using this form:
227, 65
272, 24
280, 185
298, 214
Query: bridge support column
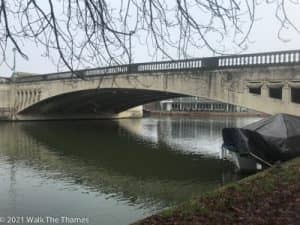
264, 90
286, 93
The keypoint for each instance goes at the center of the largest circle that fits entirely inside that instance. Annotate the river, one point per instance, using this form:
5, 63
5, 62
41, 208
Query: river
110, 172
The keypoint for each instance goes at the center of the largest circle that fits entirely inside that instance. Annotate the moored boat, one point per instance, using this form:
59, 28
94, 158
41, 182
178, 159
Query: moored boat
263, 143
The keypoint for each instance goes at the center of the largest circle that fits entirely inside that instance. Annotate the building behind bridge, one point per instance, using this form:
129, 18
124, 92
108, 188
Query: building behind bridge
195, 104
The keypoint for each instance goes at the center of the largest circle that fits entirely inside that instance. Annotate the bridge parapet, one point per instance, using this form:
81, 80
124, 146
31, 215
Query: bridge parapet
280, 58
260, 59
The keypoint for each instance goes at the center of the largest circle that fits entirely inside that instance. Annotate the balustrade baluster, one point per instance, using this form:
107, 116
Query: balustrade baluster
272, 59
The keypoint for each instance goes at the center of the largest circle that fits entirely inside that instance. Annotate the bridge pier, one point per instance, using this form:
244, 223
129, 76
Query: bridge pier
264, 90
286, 93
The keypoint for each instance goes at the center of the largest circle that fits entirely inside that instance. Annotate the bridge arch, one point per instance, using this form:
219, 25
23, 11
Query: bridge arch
93, 103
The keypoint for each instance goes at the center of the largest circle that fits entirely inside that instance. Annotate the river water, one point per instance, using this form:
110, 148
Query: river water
110, 172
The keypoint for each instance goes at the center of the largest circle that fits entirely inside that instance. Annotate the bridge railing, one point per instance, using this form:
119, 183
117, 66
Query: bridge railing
210, 63
107, 70
191, 64
113, 70
261, 59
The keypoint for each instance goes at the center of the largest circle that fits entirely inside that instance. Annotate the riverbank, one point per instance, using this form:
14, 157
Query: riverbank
269, 197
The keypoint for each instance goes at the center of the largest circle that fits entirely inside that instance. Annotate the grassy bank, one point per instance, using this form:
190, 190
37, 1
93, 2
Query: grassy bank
269, 197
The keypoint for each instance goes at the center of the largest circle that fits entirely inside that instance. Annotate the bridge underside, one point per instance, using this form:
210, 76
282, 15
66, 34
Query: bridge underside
91, 104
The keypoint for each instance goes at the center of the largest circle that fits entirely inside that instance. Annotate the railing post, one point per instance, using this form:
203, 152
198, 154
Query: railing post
210, 63
132, 68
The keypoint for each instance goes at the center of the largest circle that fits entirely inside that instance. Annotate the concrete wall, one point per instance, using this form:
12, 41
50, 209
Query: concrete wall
5, 107
228, 85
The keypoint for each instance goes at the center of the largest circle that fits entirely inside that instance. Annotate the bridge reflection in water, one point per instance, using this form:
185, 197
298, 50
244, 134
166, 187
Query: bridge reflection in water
112, 172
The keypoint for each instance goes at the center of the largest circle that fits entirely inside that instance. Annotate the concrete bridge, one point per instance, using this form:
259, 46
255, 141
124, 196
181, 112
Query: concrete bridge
266, 82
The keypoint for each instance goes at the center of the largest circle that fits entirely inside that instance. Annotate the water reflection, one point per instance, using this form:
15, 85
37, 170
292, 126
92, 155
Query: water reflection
190, 135
114, 172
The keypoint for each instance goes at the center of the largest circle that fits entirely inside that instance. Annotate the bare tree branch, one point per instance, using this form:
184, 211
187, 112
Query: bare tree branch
96, 32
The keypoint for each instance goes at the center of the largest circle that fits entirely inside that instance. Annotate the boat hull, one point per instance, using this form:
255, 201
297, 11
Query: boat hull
243, 163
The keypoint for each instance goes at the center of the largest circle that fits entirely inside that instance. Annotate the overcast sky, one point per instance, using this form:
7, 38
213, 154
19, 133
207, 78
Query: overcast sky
263, 38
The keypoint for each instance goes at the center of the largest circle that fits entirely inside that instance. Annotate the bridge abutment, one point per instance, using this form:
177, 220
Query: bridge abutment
5, 102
